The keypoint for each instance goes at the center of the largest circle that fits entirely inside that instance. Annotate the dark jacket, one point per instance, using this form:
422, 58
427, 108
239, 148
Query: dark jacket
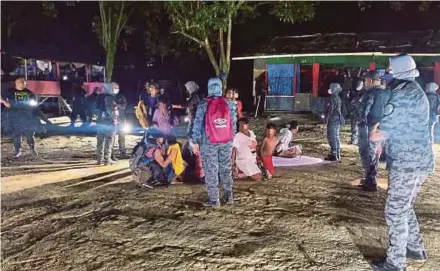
121, 103
108, 110
373, 106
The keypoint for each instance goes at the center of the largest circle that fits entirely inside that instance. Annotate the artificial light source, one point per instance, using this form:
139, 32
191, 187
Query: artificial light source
127, 128
186, 119
65, 77
33, 103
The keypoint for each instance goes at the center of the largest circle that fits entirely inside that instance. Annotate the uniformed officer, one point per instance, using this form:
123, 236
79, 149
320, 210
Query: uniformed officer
107, 122
371, 111
22, 117
121, 103
334, 120
353, 112
434, 107
410, 159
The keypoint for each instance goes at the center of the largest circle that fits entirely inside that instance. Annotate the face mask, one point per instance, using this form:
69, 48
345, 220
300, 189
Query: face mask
116, 91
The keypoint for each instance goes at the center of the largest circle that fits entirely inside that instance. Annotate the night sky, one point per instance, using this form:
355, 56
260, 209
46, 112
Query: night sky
71, 36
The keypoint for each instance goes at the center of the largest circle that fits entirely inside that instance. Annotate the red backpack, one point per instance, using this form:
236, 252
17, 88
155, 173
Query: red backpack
218, 121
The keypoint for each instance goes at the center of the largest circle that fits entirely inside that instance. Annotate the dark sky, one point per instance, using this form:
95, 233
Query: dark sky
71, 34
339, 17
73, 25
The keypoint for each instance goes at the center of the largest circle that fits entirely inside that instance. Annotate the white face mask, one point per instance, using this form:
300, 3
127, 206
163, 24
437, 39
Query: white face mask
115, 90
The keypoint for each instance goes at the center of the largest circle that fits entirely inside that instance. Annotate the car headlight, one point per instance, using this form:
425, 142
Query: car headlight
33, 103
126, 128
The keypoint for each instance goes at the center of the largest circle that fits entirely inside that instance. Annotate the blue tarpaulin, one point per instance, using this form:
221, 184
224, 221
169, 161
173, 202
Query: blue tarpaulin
284, 79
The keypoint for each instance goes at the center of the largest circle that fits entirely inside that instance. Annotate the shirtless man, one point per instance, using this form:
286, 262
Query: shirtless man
268, 147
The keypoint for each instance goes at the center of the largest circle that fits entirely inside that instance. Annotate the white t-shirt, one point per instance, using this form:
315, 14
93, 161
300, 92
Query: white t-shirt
246, 153
284, 139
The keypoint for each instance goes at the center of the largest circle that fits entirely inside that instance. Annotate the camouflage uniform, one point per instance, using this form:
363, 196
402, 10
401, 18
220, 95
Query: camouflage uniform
410, 159
194, 100
216, 158
434, 103
334, 120
354, 115
107, 121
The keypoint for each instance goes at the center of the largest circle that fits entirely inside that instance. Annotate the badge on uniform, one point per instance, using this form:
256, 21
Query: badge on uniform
389, 109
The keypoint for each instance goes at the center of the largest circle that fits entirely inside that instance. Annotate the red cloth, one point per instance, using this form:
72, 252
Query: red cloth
239, 109
199, 168
268, 164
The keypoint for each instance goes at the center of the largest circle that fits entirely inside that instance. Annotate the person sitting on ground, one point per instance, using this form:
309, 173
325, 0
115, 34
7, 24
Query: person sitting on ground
174, 153
155, 160
268, 147
244, 153
164, 118
284, 146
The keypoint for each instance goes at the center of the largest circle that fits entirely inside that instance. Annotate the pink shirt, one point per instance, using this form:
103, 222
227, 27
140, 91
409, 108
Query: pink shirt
163, 121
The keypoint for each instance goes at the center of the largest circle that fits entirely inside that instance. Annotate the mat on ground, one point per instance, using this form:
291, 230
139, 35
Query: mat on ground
297, 161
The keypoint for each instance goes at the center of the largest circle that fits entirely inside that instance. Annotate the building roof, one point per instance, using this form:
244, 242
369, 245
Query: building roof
414, 42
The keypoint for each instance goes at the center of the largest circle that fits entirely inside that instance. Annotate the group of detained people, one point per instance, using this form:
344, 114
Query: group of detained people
167, 163
398, 118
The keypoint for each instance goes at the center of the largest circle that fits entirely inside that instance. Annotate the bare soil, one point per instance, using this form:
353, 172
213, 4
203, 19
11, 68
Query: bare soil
60, 212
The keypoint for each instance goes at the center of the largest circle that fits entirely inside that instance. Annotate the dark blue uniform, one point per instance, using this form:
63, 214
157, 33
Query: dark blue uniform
371, 110
334, 120
108, 117
22, 117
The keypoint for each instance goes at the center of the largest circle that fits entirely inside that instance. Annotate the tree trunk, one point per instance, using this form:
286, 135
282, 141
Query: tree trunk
211, 57
109, 64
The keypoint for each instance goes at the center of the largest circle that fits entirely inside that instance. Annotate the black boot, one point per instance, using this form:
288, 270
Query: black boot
331, 157
228, 197
385, 266
419, 256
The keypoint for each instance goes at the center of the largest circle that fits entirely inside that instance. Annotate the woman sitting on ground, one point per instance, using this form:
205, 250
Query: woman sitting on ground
155, 161
244, 153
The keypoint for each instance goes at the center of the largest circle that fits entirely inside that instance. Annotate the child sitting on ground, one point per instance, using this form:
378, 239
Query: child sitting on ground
244, 153
284, 146
268, 147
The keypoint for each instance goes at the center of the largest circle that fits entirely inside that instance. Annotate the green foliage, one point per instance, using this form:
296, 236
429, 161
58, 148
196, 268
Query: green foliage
112, 19
206, 23
293, 11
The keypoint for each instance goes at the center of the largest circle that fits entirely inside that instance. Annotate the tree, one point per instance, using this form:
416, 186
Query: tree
113, 18
209, 24
110, 23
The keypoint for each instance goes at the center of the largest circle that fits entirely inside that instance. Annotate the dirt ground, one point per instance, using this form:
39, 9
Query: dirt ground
60, 212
